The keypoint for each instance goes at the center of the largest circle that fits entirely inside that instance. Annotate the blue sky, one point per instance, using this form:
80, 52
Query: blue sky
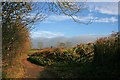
104, 17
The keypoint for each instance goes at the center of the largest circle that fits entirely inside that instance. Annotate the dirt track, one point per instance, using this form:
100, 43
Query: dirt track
35, 71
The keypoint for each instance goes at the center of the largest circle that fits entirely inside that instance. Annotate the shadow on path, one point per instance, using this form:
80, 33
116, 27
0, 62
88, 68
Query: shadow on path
36, 71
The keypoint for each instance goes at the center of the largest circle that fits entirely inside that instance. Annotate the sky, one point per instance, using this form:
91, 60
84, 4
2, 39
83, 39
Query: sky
103, 16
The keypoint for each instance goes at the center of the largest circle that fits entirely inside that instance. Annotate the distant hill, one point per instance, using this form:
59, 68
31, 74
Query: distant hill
75, 40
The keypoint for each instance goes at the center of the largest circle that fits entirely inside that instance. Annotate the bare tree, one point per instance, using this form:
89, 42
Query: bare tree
69, 44
22, 11
61, 44
40, 45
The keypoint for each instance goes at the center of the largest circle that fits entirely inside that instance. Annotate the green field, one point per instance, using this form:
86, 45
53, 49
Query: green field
31, 51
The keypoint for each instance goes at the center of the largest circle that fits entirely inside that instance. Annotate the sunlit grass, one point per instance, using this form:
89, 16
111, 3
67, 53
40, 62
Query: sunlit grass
31, 51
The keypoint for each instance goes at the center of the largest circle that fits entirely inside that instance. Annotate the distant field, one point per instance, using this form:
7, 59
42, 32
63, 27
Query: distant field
31, 51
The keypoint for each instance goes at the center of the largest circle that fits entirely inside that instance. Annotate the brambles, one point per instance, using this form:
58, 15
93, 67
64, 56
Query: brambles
106, 49
64, 55
92, 60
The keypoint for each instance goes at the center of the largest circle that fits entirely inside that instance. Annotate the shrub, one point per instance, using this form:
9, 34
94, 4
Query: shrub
106, 49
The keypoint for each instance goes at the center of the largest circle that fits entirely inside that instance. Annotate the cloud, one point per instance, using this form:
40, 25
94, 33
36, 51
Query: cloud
87, 18
110, 8
59, 18
98, 19
46, 34
107, 10
106, 20
35, 16
48, 21
53, 19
